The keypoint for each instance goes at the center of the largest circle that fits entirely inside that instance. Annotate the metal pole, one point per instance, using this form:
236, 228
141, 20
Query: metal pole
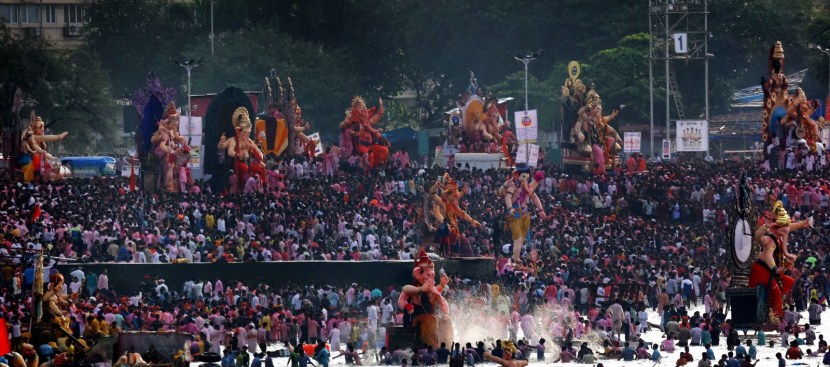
211, 32
650, 87
668, 75
706, 65
526, 61
706, 55
188, 104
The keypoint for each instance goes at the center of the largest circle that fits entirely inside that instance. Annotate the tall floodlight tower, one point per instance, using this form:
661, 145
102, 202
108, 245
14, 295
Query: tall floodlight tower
679, 31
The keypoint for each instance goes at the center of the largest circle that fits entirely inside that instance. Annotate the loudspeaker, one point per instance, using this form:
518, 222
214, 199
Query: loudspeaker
743, 303
402, 337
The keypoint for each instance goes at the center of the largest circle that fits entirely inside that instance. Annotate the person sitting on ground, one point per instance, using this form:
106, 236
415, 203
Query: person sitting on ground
655, 354
668, 344
628, 353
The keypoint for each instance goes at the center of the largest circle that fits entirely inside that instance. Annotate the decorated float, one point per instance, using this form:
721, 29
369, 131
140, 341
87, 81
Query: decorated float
590, 144
759, 261
790, 122
478, 133
50, 325
160, 148
35, 162
360, 138
427, 316
280, 128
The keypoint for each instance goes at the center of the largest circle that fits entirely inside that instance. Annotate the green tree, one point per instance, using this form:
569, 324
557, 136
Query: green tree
620, 75
322, 79
68, 89
542, 96
132, 37
818, 33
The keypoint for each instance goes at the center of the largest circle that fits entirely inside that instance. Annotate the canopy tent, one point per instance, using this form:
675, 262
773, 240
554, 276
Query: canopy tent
401, 136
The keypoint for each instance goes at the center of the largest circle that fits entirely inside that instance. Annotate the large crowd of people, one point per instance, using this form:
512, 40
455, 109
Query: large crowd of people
661, 233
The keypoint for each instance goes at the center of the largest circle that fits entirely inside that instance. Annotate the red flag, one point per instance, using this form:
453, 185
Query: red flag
37, 213
5, 345
132, 177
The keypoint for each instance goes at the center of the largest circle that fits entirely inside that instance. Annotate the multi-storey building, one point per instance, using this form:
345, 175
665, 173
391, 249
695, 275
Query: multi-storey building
61, 22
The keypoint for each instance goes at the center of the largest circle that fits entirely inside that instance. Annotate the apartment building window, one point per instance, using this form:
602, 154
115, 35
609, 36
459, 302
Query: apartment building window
9, 13
74, 14
49, 14
29, 14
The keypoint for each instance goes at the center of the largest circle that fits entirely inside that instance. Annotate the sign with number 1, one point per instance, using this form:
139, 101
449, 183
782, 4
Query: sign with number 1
681, 43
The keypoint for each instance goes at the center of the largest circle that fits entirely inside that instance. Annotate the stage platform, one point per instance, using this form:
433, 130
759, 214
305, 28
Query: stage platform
130, 278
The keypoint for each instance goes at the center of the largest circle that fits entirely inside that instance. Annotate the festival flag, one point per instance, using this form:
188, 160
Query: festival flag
132, 177
37, 289
37, 212
5, 345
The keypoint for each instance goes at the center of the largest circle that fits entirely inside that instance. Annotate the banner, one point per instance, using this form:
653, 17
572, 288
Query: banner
318, 147
533, 155
692, 135
528, 153
825, 137
125, 170
631, 142
527, 127
666, 149
195, 160
438, 158
192, 128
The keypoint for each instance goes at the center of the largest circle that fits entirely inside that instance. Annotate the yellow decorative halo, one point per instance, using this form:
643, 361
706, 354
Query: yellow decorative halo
573, 70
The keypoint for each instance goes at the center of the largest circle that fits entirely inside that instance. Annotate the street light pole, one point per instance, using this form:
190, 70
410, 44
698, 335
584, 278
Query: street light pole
526, 58
211, 33
189, 65
526, 62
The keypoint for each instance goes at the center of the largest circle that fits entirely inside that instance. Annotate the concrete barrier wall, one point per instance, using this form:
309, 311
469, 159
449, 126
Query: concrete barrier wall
130, 278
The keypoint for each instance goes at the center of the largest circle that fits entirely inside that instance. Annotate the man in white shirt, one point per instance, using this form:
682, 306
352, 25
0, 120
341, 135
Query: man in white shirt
161, 289
372, 311
296, 303
386, 312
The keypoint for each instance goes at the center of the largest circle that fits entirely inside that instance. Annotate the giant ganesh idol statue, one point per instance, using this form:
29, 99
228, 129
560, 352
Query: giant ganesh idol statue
170, 147
247, 158
430, 311
359, 137
34, 159
769, 270
789, 121
446, 211
593, 145
519, 192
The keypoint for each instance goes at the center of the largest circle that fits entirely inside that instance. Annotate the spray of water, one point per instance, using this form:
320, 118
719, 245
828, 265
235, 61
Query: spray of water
477, 318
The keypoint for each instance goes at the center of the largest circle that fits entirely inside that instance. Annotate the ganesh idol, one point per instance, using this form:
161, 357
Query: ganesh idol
169, 146
34, 158
430, 311
446, 210
302, 144
248, 159
519, 192
365, 139
594, 135
769, 270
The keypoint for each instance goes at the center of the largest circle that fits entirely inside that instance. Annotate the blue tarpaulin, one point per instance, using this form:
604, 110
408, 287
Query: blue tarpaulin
402, 135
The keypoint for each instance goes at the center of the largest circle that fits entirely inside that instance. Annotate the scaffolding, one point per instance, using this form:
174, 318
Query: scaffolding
679, 31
